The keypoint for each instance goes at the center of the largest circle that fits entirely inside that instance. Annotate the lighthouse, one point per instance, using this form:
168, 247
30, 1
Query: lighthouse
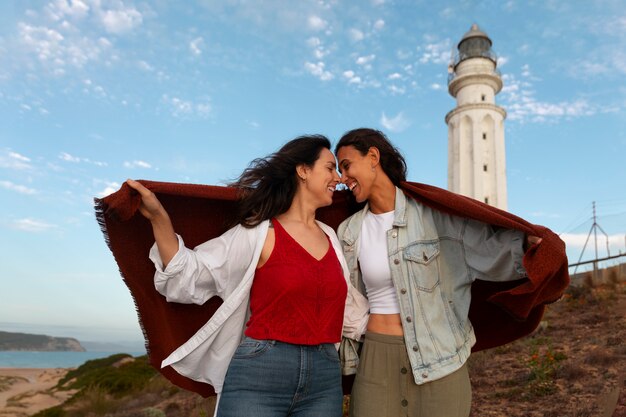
476, 154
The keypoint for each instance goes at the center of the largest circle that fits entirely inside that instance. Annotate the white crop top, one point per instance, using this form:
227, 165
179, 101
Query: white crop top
374, 263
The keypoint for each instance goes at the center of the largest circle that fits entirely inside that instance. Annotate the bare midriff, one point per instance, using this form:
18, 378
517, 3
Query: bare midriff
389, 324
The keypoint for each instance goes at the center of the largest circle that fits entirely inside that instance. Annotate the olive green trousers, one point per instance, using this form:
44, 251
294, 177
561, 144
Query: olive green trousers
384, 385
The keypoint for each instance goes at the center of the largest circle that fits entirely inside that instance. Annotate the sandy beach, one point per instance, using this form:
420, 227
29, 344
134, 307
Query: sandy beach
24, 392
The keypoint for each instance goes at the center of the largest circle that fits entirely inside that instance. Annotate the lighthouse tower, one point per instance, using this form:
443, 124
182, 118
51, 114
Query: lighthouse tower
476, 160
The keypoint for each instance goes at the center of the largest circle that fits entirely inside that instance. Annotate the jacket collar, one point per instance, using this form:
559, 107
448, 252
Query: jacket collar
353, 228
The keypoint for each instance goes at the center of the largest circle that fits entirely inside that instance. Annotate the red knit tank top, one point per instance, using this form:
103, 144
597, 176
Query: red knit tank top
295, 298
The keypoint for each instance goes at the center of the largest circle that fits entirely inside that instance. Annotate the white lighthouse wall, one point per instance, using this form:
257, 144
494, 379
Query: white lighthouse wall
474, 93
466, 169
501, 188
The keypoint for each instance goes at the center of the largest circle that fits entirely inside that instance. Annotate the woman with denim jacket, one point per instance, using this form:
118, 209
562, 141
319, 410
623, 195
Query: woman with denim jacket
269, 348
416, 266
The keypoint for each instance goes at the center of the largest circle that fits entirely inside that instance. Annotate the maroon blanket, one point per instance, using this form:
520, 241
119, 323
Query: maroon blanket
500, 312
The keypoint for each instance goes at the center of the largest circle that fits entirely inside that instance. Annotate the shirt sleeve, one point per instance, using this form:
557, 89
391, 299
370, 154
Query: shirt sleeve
492, 253
356, 314
213, 268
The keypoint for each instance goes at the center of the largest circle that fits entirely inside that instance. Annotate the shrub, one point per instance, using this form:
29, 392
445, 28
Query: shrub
543, 366
56, 411
153, 412
128, 377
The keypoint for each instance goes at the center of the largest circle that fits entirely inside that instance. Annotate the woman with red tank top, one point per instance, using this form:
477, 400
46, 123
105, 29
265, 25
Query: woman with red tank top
269, 349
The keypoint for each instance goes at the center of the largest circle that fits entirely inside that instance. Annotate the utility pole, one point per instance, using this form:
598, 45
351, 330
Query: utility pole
593, 229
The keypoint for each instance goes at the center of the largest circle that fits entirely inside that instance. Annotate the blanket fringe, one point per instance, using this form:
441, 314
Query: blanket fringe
100, 208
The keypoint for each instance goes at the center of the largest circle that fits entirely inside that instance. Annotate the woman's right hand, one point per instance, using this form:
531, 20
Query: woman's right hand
151, 207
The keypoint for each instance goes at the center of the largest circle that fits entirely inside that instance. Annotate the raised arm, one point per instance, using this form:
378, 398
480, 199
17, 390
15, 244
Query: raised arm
151, 209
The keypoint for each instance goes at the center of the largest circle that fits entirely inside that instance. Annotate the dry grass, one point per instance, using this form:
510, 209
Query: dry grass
567, 368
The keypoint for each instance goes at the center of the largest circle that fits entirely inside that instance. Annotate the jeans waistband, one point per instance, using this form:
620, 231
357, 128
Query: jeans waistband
278, 342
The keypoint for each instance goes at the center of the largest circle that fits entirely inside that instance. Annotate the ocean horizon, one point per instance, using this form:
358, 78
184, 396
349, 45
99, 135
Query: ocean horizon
29, 359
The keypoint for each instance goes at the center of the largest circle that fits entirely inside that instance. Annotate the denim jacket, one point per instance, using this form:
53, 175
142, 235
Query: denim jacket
434, 258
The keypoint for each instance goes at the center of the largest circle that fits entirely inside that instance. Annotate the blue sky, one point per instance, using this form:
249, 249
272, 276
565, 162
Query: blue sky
96, 91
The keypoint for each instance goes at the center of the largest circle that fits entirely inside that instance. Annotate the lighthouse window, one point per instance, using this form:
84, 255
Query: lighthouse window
482, 97
484, 136
485, 167
486, 200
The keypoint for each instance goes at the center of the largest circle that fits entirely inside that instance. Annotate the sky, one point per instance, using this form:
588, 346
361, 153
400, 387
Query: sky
96, 91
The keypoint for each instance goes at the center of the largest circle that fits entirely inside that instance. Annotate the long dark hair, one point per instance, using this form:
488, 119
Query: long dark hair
391, 160
268, 185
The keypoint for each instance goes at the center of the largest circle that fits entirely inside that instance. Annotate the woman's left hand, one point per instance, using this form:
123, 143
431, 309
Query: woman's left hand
531, 240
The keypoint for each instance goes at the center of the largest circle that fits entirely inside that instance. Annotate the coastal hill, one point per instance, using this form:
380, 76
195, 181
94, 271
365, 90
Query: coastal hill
38, 343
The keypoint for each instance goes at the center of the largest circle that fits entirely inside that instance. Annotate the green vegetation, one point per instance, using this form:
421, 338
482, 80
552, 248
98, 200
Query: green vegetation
111, 375
102, 384
543, 365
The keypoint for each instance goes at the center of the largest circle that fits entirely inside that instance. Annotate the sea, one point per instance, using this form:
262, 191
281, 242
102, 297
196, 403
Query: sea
24, 359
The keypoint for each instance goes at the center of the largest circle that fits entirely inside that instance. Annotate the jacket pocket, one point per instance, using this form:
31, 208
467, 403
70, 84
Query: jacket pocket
422, 261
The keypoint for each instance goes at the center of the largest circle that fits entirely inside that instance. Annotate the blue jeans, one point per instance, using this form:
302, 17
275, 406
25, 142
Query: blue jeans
267, 378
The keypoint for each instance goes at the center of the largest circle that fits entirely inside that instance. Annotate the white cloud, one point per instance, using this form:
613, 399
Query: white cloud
17, 188
19, 157
69, 158
122, 20
395, 124
379, 24
394, 76
576, 241
145, 66
396, 90
313, 42
447, 12
436, 53
186, 108
318, 69
521, 105
76, 160
316, 23
195, 46
319, 51
14, 160
136, 164
110, 188
529, 108
436, 86
502, 60
364, 60
356, 35
60, 9
56, 52
351, 77
32, 225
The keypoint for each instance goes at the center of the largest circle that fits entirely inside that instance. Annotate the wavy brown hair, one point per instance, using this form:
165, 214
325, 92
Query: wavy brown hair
268, 185
391, 160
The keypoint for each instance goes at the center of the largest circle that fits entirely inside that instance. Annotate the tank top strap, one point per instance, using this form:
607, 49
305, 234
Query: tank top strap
280, 240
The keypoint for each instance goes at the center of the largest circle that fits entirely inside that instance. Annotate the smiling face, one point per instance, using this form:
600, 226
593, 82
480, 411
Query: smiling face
357, 170
321, 179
